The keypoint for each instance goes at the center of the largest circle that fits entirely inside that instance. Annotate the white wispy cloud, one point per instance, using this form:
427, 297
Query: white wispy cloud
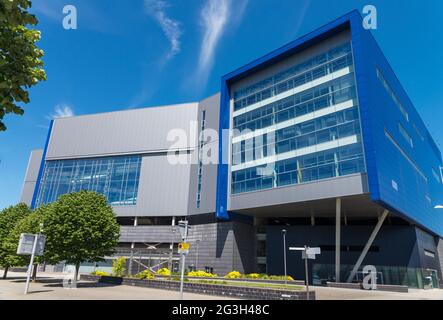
171, 28
61, 111
215, 16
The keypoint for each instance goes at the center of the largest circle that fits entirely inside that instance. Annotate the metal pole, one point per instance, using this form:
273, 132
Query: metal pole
196, 258
284, 255
337, 239
31, 262
307, 274
131, 258
183, 256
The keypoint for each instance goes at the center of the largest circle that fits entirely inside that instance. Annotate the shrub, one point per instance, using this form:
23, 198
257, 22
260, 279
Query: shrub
201, 274
252, 276
100, 273
146, 274
289, 278
119, 267
164, 272
233, 275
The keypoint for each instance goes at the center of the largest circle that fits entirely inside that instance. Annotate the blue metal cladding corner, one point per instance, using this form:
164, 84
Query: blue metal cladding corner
361, 74
42, 166
386, 165
378, 112
223, 167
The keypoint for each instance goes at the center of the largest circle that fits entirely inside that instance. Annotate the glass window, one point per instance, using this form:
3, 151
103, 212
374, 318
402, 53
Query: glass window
115, 177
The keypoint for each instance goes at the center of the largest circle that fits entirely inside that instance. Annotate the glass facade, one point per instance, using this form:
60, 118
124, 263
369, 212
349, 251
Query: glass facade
314, 68
115, 177
310, 135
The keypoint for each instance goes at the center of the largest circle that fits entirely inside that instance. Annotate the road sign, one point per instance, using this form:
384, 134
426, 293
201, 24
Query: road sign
183, 247
307, 253
27, 242
313, 251
183, 228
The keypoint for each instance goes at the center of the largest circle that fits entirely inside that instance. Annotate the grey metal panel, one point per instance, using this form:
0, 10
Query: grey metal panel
209, 173
149, 234
27, 193
129, 131
163, 187
332, 188
31, 176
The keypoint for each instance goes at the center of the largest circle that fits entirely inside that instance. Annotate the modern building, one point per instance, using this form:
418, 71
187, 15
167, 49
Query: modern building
317, 138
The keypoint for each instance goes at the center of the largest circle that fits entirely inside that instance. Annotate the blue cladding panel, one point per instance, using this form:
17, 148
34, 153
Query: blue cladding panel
221, 205
388, 167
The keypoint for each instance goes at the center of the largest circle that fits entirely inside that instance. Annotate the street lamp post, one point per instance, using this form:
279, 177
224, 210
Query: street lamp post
284, 254
196, 257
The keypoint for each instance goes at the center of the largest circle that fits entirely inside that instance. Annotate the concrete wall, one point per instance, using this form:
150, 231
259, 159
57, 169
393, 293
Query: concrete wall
31, 176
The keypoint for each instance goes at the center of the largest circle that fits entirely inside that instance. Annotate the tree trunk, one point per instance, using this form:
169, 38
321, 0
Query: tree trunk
77, 268
5, 272
34, 272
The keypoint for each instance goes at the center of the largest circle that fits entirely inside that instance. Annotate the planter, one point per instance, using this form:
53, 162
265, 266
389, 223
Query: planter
209, 289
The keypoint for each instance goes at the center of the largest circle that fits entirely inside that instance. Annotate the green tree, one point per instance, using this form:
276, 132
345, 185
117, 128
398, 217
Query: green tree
31, 223
21, 66
80, 227
9, 218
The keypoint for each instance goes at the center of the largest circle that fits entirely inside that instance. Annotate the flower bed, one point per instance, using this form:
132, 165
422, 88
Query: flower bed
229, 290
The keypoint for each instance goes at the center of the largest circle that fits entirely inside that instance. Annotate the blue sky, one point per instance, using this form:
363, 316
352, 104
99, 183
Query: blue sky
138, 53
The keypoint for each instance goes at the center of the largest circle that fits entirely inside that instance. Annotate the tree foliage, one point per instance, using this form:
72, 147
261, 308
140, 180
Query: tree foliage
21, 65
9, 218
28, 224
80, 227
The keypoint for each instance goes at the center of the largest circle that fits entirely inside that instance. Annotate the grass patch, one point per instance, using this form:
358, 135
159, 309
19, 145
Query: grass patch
253, 284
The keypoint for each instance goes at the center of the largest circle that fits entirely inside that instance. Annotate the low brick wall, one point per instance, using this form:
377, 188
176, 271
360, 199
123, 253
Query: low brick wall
210, 289
380, 287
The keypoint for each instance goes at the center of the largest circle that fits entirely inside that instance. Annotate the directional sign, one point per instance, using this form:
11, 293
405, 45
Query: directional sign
305, 255
27, 242
183, 228
313, 251
183, 247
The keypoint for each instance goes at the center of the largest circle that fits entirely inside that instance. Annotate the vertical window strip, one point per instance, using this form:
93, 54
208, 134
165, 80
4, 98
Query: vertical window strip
200, 157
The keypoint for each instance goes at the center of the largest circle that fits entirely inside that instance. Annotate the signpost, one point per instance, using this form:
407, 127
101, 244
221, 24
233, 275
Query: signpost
307, 253
34, 245
183, 249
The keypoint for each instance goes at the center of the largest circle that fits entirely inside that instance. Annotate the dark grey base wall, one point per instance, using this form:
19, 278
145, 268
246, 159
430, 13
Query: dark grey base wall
394, 246
224, 246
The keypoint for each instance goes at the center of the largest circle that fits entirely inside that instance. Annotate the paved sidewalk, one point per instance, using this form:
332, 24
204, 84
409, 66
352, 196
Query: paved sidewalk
50, 287
324, 293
